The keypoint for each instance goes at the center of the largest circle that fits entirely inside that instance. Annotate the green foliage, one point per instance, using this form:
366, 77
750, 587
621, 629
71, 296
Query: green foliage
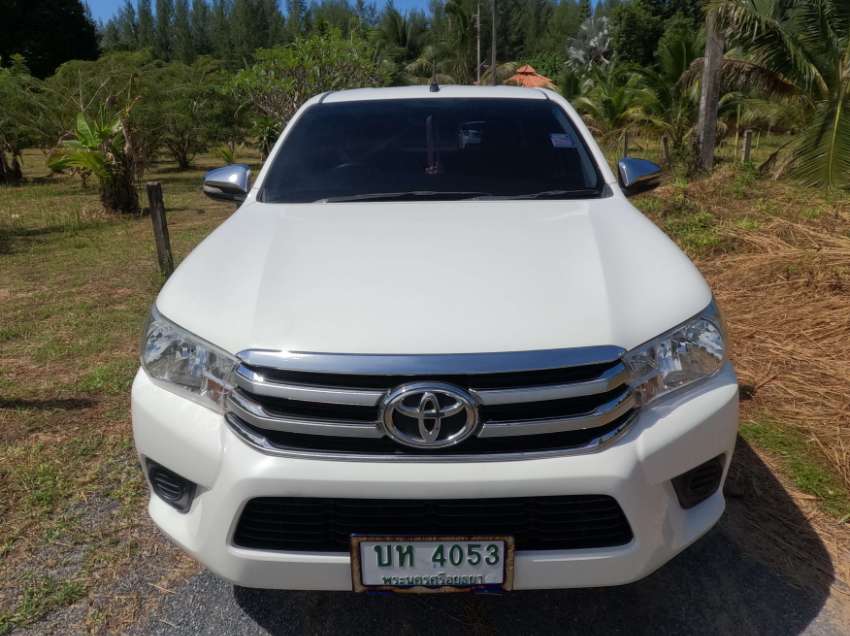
451, 51
18, 93
696, 232
805, 469
671, 109
804, 55
613, 99
46, 33
635, 31
283, 78
41, 595
100, 147
187, 105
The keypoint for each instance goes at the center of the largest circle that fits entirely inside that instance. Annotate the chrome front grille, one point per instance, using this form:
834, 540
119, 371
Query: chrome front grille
528, 403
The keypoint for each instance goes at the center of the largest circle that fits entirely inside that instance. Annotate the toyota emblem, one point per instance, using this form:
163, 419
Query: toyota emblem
429, 415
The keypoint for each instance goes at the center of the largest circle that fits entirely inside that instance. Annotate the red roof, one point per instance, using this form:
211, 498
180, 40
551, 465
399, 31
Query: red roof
528, 77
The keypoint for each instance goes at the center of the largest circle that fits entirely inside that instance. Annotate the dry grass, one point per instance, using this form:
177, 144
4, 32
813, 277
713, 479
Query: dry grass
778, 259
787, 296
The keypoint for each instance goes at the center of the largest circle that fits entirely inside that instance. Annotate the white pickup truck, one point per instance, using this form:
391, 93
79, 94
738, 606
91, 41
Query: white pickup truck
435, 348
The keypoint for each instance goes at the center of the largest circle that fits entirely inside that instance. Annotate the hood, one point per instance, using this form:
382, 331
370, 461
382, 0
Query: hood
434, 277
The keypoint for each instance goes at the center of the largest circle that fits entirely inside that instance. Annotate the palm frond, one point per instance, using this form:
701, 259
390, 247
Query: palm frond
822, 155
756, 25
743, 75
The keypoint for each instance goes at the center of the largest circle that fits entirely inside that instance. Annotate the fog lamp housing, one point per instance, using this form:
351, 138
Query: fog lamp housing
698, 484
178, 492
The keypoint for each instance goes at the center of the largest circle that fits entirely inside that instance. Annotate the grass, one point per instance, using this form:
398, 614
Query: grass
40, 596
75, 286
801, 463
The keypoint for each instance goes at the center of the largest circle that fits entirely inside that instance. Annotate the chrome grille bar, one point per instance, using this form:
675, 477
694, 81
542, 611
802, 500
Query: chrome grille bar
610, 379
258, 385
254, 414
600, 416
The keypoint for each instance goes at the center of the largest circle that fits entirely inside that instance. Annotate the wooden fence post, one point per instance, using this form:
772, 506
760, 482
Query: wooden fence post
665, 149
160, 228
748, 146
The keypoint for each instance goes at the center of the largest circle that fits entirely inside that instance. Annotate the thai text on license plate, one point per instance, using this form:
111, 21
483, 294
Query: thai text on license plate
431, 562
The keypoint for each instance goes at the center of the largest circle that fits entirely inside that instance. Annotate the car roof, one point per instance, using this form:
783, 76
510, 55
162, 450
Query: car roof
423, 91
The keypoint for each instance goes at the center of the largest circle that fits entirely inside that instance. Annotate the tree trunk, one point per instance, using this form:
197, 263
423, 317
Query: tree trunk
17, 171
709, 95
10, 172
118, 193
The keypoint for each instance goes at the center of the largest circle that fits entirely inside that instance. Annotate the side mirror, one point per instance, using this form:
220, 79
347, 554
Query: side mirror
230, 183
638, 175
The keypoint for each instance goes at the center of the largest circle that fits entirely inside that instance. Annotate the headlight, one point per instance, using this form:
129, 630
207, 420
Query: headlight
184, 364
690, 352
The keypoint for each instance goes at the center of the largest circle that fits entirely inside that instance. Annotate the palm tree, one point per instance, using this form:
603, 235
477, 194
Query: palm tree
798, 49
451, 53
400, 37
613, 99
672, 102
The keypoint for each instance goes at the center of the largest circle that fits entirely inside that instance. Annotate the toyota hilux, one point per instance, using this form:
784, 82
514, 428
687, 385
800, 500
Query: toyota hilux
435, 348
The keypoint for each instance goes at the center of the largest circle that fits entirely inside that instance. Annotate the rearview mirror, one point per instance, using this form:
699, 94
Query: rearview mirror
638, 175
230, 183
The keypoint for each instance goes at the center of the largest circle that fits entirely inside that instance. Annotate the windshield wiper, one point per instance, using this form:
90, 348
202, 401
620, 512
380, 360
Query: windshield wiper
550, 194
403, 196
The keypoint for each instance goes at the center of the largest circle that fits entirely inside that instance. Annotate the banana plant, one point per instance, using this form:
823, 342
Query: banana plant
101, 148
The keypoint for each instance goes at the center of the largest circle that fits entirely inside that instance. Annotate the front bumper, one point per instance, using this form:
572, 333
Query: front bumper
666, 440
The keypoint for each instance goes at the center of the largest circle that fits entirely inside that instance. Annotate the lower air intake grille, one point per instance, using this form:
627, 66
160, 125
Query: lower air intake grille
299, 524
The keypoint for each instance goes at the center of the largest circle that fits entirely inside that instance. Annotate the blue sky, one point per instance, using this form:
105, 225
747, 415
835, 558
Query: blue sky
105, 9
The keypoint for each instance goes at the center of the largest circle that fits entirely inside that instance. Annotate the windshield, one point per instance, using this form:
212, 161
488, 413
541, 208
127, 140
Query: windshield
407, 149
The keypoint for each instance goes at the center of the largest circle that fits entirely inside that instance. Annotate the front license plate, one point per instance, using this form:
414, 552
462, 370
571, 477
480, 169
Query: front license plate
431, 564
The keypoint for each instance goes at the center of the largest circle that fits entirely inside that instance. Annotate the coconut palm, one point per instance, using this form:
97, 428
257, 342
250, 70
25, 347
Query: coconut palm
613, 99
400, 37
450, 55
672, 103
801, 49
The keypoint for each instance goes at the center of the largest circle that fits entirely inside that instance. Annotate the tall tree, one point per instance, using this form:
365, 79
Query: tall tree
254, 24
146, 24
296, 15
184, 48
367, 15
635, 31
129, 26
709, 94
220, 30
563, 24
163, 37
200, 25
46, 33
585, 10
